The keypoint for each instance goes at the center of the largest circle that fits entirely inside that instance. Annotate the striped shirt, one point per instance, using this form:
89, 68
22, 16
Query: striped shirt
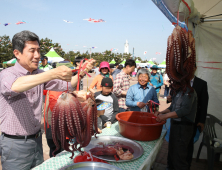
20, 113
121, 83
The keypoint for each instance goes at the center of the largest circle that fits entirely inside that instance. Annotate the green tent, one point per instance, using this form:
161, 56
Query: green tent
123, 62
9, 63
53, 56
112, 62
137, 61
163, 63
12, 61
151, 62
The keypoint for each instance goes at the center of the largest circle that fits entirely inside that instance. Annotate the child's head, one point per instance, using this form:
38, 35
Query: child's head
104, 67
107, 86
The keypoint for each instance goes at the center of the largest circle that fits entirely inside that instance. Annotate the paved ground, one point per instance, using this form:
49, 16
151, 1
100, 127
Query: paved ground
161, 160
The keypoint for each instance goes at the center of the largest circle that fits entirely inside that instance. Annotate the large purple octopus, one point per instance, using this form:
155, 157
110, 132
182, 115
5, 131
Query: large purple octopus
180, 59
70, 119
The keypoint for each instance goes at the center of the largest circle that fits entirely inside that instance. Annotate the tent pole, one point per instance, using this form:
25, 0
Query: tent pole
210, 20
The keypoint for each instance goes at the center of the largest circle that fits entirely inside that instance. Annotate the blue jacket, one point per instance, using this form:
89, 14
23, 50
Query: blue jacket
155, 81
115, 72
137, 94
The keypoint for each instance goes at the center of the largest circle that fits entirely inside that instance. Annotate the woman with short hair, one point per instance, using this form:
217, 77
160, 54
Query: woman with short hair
138, 95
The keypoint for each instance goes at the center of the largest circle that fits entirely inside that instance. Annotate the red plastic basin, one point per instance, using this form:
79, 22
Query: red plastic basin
141, 126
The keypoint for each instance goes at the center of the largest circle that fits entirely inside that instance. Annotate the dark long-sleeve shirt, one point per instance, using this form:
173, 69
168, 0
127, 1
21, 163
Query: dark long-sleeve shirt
185, 106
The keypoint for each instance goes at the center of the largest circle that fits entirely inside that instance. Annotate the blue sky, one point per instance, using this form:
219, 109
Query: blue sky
138, 21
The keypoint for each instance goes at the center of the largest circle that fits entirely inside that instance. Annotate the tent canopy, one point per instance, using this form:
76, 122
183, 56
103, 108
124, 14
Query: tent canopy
12, 61
123, 62
53, 56
137, 61
151, 62
163, 63
162, 66
112, 62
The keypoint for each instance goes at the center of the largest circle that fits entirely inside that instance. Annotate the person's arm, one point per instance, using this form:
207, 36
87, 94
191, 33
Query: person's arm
130, 102
162, 112
160, 83
162, 117
94, 82
165, 111
115, 108
25, 83
203, 101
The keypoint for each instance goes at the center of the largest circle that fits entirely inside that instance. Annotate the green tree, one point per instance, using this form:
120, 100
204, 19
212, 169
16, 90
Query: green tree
6, 52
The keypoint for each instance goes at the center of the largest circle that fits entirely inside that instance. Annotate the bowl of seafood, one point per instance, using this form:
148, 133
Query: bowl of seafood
114, 148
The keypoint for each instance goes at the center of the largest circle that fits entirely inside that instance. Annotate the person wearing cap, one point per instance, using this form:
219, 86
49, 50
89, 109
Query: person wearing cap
45, 66
21, 95
156, 79
107, 96
104, 72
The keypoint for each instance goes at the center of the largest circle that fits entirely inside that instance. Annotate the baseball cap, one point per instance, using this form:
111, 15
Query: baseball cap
44, 57
107, 82
154, 67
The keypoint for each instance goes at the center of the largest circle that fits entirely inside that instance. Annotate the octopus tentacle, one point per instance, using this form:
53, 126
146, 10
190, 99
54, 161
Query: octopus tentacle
71, 119
54, 123
95, 119
77, 124
88, 132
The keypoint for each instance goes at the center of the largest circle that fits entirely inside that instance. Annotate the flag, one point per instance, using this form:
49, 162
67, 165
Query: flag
145, 52
158, 53
6, 24
93, 47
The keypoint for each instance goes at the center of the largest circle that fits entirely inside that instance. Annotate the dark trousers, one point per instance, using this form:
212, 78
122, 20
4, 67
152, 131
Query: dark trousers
166, 91
180, 137
191, 147
52, 147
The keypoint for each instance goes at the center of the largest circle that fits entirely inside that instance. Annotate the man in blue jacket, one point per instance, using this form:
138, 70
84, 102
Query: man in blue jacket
156, 79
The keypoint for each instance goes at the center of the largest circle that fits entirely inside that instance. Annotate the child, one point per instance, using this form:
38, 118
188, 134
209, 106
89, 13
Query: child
106, 95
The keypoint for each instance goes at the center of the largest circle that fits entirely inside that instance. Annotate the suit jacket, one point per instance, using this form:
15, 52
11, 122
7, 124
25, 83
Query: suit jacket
200, 86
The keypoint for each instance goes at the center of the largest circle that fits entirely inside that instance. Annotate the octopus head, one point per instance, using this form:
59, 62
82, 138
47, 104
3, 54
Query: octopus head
63, 96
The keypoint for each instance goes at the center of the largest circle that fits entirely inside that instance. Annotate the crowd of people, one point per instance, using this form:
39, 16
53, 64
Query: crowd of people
21, 95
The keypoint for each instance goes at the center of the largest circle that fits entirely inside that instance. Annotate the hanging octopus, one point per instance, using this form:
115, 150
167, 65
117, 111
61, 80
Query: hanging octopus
73, 119
180, 58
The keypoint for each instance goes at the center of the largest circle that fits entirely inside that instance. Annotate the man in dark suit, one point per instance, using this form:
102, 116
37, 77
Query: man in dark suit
200, 86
